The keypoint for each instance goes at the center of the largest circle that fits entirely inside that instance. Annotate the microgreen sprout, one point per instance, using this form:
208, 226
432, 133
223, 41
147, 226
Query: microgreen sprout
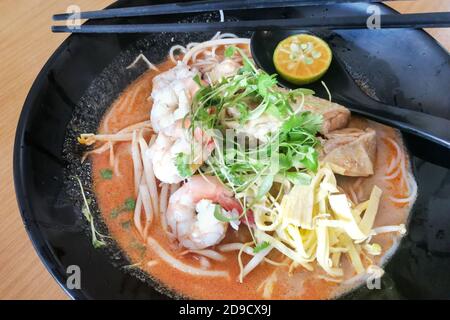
97, 237
253, 93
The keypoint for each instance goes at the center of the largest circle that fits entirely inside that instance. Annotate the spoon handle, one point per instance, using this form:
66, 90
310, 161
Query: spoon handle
429, 127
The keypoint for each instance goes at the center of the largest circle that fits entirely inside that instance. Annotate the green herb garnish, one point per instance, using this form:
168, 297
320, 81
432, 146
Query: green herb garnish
229, 52
298, 178
128, 205
265, 186
289, 151
265, 83
126, 225
97, 237
261, 246
197, 80
182, 163
106, 174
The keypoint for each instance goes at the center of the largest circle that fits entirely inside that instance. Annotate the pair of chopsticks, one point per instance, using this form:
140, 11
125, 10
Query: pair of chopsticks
420, 20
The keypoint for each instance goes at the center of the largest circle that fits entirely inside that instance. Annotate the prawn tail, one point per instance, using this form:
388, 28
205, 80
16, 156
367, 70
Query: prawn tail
230, 204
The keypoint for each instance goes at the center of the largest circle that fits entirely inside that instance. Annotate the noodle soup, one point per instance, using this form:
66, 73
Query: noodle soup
322, 224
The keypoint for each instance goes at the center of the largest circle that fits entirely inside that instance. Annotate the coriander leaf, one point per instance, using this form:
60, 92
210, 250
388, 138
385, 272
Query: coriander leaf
265, 186
307, 121
229, 52
243, 112
247, 67
279, 109
300, 178
265, 82
289, 124
297, 138
197, 80
273, 110
297, 135
106, 174
182, 164
285, 161
310, 160
130, 204
261, 246
248, 64
310, 122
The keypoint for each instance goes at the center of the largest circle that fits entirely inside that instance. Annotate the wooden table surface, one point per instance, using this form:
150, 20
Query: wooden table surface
25, 45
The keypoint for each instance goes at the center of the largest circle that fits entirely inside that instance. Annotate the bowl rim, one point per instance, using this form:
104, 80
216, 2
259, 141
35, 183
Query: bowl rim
35, 235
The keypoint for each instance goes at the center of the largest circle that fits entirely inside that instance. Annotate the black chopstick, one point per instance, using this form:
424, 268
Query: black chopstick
198, 6
416, 20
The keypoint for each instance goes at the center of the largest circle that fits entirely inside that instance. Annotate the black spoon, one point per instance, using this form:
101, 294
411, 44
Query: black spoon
346, 92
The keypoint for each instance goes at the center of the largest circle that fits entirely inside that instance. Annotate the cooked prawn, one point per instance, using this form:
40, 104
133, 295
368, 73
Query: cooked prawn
174, 140
172, 95
259, 128
200, 194
224, 69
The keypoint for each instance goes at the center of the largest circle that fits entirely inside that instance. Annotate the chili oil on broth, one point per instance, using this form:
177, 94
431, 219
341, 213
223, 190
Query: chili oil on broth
133, 106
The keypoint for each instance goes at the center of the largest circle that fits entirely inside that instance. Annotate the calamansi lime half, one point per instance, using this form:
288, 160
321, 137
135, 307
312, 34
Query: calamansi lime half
302, 58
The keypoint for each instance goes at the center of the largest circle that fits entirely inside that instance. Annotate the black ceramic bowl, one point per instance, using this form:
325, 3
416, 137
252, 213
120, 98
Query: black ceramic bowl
87, 72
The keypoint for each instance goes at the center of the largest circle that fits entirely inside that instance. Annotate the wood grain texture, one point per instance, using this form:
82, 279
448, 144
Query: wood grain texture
25, 45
